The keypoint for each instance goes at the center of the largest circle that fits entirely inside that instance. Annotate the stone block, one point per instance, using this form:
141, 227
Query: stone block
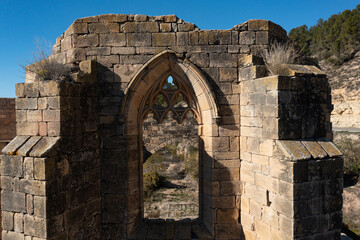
170, 18
12, 166
51, 115
27, 128
221, 37
40, 209
88, 40
49, 88
108, 61
223, 60
262, 229
165, 27
228, 231
13, 201
19, 222
26, 103
20, 90
255, 193
7, 221
12, 236
26, 148
247, 37
113, 39
43, 129
140, 18
228, 74
163, 39
124, 73
103, 27
293, 149
31, 90
29, 204
223, 202
75, 55
66, 43
106, 18
44, 147
77, 28
7, 183
227, 215
34, 115
34, 226
44, 168
258, 25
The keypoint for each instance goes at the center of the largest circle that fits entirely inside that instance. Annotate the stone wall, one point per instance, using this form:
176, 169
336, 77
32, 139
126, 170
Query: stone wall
158, 135
292, 187
243, 121
50, 172
7, 121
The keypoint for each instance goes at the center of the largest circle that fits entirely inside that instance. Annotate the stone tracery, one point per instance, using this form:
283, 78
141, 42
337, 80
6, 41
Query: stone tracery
170, 96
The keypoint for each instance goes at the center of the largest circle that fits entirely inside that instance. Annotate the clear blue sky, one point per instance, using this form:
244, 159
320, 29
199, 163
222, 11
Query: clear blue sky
22, 21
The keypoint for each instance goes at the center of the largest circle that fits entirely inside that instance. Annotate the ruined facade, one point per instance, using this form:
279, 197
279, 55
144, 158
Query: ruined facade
267, 167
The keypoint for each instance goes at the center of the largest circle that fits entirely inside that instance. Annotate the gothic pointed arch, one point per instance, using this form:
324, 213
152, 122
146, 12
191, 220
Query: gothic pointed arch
150, 81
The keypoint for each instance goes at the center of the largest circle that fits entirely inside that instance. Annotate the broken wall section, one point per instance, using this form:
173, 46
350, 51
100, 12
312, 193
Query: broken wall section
291, 174
48, 193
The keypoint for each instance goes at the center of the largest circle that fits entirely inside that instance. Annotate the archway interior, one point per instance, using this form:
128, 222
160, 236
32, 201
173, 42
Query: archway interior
171, 159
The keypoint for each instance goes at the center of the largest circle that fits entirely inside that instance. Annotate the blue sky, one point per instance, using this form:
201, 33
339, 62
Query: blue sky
21, 22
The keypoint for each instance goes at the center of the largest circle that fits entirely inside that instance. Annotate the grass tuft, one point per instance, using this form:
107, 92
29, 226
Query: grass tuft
278, 57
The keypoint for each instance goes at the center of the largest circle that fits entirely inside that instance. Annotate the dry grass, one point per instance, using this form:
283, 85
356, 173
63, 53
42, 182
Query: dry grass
278, 57
44, 66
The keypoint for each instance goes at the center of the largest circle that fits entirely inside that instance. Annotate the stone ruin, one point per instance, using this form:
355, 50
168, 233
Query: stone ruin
267, 166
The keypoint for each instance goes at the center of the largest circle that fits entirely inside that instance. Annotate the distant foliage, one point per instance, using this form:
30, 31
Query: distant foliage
351, 153
334, 40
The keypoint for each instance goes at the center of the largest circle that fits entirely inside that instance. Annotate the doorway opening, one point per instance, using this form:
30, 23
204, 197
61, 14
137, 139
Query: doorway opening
170, 152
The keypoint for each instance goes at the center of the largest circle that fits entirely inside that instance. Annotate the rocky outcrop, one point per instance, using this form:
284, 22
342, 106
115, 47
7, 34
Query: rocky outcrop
345, 86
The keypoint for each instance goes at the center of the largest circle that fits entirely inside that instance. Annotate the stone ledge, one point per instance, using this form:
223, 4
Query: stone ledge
34, 146
307, 149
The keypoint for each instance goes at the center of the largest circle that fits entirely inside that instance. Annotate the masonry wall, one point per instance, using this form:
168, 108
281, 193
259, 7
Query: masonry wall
158, 135
85, 141
7, 121
121, 44
50, 176
292, 188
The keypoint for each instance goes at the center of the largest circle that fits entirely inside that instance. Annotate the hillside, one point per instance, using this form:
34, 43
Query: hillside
345, 86
335, 44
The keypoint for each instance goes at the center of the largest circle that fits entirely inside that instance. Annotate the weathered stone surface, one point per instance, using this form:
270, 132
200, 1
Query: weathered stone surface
256, 135
13, 201
330, 148
29, 144
314, 149
294, 150
44, 147
11, 166
14, 145
34, 226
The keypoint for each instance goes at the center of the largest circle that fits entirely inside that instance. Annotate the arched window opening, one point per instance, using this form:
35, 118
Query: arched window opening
171, 158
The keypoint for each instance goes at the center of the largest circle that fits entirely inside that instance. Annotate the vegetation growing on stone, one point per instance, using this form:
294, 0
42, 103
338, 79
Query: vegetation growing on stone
335, 40
46, 67
278, 57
